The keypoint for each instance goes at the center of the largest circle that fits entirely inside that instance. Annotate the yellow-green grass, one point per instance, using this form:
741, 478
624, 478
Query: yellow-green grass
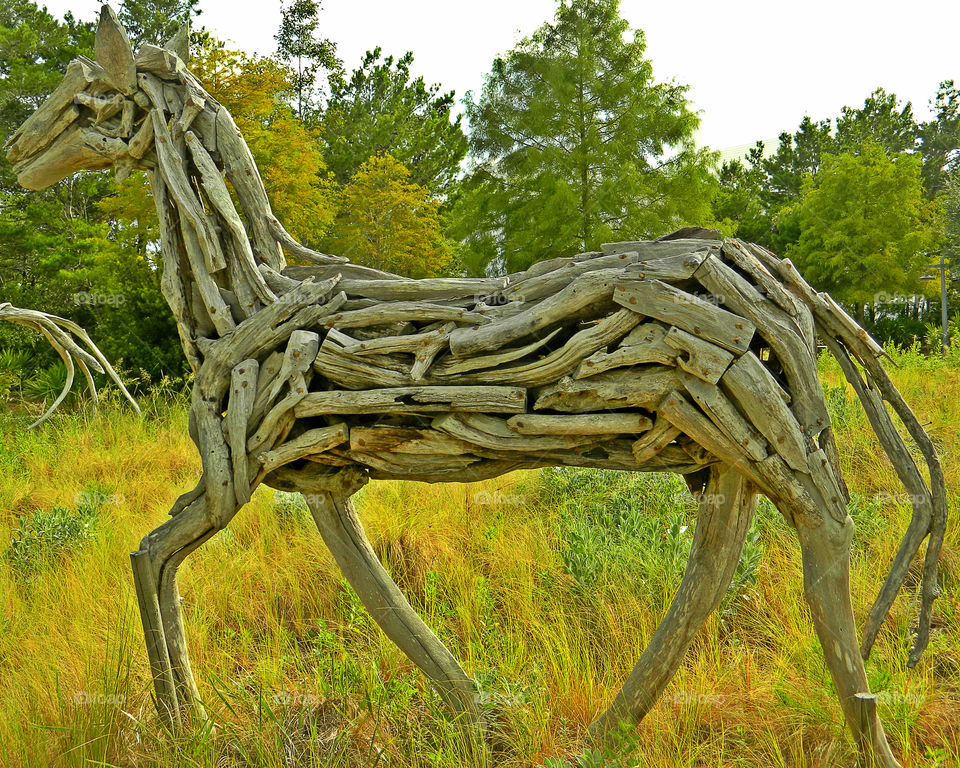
296, 674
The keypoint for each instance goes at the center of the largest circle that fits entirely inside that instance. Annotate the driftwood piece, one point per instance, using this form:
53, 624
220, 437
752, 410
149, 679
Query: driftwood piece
584, 291
585, 424
781, 333
639, 387
310, 443
114, 52
494, 434
654, 298
718, 408
652, 443
644, 344
670, 268
44, 125
757, 393
59, 332
701, 358
401, 311
243, 393
415, 400
563, 360
453, 366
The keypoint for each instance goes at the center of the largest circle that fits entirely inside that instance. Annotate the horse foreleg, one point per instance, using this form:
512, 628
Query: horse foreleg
344, 535
155, 567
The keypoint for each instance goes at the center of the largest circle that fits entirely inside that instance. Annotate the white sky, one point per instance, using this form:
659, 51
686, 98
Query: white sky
755, 68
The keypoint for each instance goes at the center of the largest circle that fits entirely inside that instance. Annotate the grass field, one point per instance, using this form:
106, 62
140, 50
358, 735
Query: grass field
547, 586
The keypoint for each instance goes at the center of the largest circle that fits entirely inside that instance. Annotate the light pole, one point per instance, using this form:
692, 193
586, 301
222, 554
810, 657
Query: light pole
944, 322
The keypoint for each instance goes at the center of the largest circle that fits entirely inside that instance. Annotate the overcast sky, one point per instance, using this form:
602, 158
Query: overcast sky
755, 68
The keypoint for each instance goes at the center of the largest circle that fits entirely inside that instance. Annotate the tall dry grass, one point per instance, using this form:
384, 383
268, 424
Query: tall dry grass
547, 585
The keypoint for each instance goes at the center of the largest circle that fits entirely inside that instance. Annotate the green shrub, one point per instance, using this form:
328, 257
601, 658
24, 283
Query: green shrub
47, 534
48, 383
632, 528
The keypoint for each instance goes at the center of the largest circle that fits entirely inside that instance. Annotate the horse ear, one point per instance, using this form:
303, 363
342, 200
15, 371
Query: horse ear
114, 52
180, 43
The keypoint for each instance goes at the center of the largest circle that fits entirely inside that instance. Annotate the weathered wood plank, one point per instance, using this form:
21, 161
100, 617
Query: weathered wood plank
701, 358
676, 409
640, 387
415, 400
653, 443
725, 415
659, 300
400, 311
644, 344
452, 366
311, 442
657, 249
243, 393
36, 133
563, 360
114, 52
781, 332
584, 424
586, 290
494, 434
670, 268
757, 394
428, 289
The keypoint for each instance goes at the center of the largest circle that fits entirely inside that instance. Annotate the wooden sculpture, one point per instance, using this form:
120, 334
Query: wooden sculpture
60, 332
691, 354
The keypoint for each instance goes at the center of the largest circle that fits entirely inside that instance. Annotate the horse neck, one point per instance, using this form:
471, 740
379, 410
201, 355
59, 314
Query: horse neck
213, 268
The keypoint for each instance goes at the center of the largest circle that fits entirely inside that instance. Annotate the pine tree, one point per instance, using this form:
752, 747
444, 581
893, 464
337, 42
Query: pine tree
156, 21
574, 142
307, 54
864, 225
382, 108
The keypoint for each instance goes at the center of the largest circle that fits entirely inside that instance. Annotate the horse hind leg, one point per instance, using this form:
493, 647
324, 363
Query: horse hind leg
726, 509
825, 549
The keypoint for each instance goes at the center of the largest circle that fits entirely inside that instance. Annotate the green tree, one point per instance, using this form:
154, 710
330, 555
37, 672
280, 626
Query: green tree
388, 222
864, 225
304, 52
951, 219
881, 120
382, 108
287, 152
573, 142
156, 21
738, 206
940, 139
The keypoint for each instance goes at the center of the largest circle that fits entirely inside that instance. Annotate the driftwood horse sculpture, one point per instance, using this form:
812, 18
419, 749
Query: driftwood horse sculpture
691, 354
